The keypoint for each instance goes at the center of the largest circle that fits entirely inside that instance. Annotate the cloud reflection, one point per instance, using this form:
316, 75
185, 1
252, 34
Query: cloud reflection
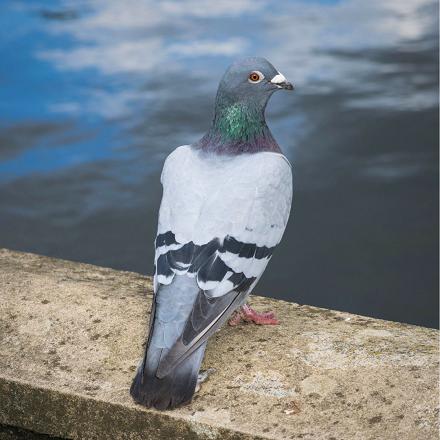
102, 90
318, 44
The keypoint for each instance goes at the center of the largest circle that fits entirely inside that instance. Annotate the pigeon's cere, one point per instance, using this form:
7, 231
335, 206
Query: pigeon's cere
226, 202
278, 79
281, 82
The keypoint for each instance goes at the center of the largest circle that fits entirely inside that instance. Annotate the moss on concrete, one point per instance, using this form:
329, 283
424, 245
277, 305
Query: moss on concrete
71, 336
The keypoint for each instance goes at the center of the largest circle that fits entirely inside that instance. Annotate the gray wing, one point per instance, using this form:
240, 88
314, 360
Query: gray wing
209, 312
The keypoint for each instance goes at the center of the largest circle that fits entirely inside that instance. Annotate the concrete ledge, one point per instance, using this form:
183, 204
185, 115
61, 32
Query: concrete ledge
71, 336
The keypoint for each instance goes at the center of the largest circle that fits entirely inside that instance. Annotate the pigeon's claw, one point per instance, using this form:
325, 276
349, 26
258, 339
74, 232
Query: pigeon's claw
203, 377
248, 314
235, 319
260, 318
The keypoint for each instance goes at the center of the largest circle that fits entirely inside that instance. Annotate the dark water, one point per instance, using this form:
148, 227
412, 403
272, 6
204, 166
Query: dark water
94, 94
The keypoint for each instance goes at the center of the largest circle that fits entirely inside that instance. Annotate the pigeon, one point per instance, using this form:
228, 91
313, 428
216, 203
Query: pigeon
225, 205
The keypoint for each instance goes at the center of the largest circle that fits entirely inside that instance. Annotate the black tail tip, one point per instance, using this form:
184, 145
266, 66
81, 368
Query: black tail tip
157, 393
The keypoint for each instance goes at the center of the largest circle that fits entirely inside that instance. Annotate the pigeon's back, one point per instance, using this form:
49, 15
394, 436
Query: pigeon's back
206, 196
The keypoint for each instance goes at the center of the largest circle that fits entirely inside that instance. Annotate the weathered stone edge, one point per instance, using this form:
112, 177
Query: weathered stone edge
8, 432
138, 276
73, 416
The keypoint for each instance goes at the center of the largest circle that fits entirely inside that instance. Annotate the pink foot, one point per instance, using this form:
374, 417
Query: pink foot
248, 314
235, 319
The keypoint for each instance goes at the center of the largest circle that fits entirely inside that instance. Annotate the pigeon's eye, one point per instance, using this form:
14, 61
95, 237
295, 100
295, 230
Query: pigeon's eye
255, 77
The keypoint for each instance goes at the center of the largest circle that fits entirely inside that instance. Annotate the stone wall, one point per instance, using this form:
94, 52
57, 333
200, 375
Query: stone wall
71, 337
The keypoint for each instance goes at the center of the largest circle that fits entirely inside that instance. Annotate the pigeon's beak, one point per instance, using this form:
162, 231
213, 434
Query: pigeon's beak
281, 82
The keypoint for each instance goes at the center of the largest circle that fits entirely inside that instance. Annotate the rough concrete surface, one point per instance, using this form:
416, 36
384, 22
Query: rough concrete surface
71, 337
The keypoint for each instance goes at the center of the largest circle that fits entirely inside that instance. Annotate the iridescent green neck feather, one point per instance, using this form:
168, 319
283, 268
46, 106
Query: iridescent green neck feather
238, 128
239, 122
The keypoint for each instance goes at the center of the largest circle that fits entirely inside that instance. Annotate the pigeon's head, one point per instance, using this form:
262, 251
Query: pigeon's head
239, 123
251, 79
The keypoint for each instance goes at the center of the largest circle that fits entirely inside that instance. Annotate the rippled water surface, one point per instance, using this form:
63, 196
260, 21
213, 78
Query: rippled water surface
94, 94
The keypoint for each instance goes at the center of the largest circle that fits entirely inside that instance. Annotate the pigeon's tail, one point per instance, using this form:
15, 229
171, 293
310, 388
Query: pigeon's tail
173, 305
177, 388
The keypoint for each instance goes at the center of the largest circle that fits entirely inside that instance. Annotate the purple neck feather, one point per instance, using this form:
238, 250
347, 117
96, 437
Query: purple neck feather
214, 142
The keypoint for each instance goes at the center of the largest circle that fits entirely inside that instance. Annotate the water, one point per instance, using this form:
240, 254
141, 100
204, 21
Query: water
94, 94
